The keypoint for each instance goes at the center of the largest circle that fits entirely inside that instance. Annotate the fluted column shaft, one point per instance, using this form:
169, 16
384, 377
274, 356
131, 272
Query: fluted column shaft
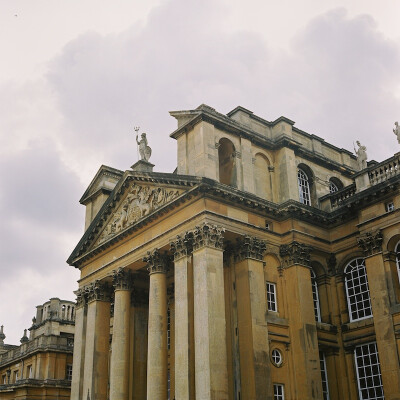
157, 356
255, 375
119, 370
79, 346
211, 375
184, 335
95, 376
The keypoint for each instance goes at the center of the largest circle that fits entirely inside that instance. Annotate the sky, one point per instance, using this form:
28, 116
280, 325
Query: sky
77, 76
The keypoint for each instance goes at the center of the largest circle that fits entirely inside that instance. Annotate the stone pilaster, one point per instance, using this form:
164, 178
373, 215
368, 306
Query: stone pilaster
371, 244
79, 345
120, 369
95, 376
211, 374
303, 331
255, 375
157, 353
184, 324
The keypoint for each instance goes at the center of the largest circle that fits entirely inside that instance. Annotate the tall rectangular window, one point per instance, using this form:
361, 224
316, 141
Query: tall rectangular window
271, 297
324, 376
29, 371
369, 377
279, 391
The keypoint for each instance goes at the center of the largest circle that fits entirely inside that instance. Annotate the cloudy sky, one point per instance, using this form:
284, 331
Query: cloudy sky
78, 75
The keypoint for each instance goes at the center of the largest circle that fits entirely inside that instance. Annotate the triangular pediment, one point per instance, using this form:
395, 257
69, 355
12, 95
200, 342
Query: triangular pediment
135, 198
139, 201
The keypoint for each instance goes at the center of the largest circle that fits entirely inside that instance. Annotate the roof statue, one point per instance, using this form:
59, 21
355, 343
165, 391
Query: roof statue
144, 148
361, 154
396, 131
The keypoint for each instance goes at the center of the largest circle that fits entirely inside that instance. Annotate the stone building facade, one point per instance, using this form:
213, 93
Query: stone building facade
266, 266
41, 366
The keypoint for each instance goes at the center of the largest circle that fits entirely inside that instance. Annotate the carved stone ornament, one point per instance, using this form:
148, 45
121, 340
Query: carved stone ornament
250, 247
97, 291
208, 235
295, 253
182, 246
80, 297
122, 279
140, 201
371, 242
156, 262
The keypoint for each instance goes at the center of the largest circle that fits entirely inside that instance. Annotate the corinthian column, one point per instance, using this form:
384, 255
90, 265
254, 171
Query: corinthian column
255, 375
119, 371
157, 355
184, 338
371, 243
211, 375
302, 325
95, 377
79, 345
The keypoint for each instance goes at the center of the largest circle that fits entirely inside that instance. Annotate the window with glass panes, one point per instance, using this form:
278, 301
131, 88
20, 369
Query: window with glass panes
271, 297
324, 376
314, 285
168, 328
304, 187
357, 290
397, 251
279, 392
369, 377
69, 372
333, 187
276, 357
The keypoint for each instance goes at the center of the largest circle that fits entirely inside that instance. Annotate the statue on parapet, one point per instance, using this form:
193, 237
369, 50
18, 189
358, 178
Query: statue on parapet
396, 131
144, 148
361, 154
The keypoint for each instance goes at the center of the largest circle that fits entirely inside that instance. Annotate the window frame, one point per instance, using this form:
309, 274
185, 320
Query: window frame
281, 395
397, 252
68, 372
324, 376
367, 367
304, 187
353, 307
317, 305
276, 353
271, 297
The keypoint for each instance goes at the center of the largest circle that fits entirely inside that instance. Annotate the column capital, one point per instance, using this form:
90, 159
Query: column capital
81, 299
156, 262
250, 247
97, 291
208, 235
371, 242
122, 279
295, 253
182, 245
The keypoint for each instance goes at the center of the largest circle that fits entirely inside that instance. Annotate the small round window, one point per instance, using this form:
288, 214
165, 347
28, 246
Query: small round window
276, 357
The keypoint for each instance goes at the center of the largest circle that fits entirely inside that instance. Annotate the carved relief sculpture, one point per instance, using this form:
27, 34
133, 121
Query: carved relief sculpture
140, 201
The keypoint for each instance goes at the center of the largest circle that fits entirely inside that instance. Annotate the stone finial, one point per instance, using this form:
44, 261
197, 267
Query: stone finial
156, 261
361, 154
24, 338
250, 247
396, 131
295, 253
371, 242
182, 245
122, 279
2, 335
208, 235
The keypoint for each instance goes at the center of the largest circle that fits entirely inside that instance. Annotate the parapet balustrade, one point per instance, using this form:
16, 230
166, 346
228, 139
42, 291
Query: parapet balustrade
37, 382
39, 343
337, 198
385, 170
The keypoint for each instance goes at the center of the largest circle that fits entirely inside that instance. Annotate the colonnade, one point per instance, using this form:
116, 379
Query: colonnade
200, 358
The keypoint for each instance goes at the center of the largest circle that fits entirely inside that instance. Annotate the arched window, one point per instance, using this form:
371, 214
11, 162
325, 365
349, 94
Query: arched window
226, 162
314, 285
334, 185
397, 251
357, 290
304, 187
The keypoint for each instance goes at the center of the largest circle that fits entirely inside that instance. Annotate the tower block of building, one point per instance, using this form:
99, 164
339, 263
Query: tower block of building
267, 266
